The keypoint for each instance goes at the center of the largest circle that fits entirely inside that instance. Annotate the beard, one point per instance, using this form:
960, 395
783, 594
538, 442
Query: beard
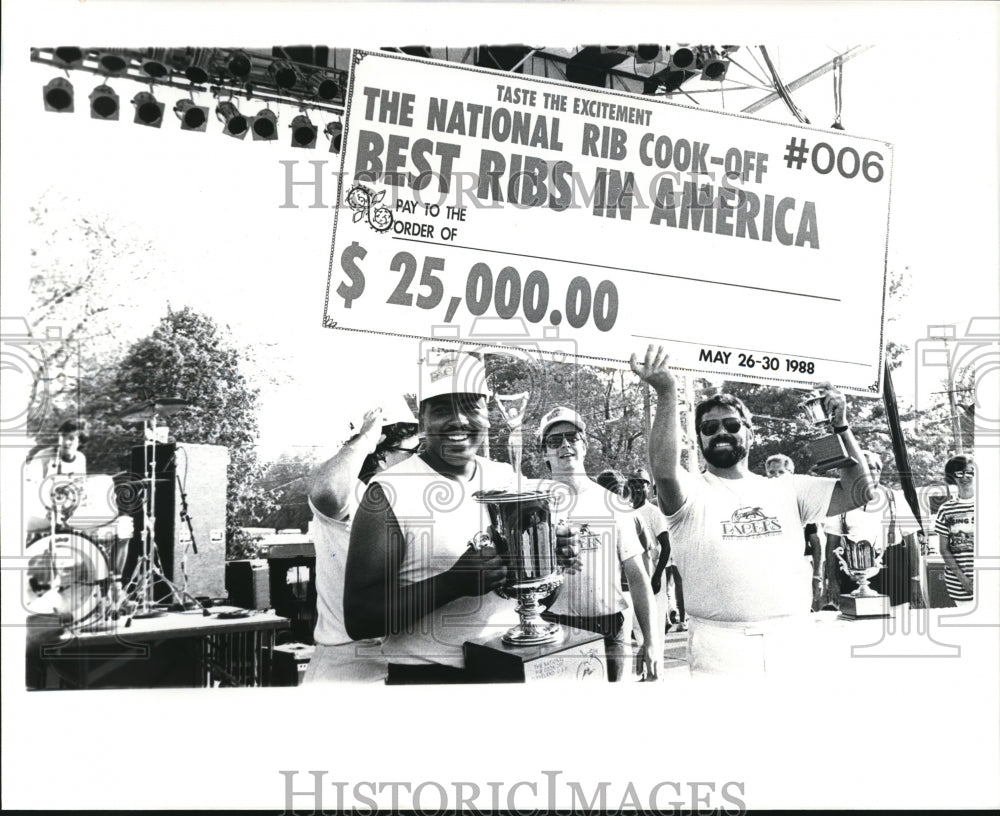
724, 458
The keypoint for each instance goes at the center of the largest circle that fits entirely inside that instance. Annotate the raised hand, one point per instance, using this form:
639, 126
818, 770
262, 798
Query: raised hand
371, 419
834, 403
654, 369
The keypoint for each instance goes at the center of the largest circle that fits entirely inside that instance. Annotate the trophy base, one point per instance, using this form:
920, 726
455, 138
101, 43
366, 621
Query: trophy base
532, 633
853, 607
579, 655
829, 452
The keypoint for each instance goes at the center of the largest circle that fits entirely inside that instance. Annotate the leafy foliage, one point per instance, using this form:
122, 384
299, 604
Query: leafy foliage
187, 356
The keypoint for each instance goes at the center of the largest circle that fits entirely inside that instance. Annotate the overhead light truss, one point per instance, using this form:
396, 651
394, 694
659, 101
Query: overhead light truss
225, 72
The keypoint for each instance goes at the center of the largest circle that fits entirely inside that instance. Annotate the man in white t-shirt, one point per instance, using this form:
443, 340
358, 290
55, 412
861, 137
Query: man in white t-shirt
591, 596
386, 438
44, 469
412, 576
736, 536
664, 572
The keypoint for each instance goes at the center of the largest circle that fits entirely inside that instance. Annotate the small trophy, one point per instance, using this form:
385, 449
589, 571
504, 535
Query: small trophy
513, 408
827, 451
862, 561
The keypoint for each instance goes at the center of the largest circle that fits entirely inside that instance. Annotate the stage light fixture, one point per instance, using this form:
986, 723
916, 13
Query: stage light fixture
154, 64
265, 126
303, 132
192, 115
283, 74
67, 56
334, 132
58, 95
713, 66
239, 64
112, 64
235, 124
647, 53
324, 87
194, 63
682, 58
148, 111
612, 55
104, 103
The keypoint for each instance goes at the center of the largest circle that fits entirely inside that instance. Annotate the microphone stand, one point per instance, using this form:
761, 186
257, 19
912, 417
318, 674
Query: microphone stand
185, 599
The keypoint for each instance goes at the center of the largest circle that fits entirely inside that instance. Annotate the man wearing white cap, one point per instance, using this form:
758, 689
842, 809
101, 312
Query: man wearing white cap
387, 436
411, 574
591, 597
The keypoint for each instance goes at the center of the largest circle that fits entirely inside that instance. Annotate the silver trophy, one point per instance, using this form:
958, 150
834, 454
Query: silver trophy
862, 561
524, 534
827, 451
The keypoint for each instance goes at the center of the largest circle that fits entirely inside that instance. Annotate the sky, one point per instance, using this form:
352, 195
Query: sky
212, 206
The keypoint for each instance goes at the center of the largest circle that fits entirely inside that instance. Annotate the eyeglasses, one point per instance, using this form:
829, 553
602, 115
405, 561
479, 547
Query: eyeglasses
961, 473
710, 427
555, 441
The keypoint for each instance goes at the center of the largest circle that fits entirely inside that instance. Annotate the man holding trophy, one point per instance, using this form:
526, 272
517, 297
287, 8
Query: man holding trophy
736, 536
411, 573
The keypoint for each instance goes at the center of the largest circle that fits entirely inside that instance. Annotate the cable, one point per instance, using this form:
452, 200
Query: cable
782, 91
838, 91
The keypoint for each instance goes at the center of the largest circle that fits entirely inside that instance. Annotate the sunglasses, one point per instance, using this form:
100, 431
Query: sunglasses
710, 427
555, 441
961, 473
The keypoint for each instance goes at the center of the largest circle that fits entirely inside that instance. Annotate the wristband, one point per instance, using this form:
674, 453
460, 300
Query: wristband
841, 428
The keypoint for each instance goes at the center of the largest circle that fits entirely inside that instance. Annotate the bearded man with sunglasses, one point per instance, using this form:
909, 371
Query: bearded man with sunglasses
736, 536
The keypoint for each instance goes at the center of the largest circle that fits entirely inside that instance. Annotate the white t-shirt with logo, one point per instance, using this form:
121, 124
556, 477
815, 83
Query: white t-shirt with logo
738, 544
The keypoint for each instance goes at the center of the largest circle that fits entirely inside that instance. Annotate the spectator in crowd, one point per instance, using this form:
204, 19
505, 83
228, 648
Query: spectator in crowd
386, 438
779, 465
956, 529
663, 564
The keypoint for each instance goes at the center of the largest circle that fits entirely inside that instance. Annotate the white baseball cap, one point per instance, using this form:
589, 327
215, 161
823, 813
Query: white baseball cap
560, 414
395, 411
448, 371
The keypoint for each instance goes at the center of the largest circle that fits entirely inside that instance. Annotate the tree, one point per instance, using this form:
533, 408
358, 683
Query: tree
187, 356
83, 268
286, 481
608, 400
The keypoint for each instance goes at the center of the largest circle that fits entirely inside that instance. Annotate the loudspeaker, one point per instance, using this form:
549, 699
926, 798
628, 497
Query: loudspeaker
197, 474
289, 664
249, 583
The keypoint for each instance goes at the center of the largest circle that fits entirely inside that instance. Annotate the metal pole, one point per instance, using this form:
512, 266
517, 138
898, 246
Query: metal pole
956, 428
